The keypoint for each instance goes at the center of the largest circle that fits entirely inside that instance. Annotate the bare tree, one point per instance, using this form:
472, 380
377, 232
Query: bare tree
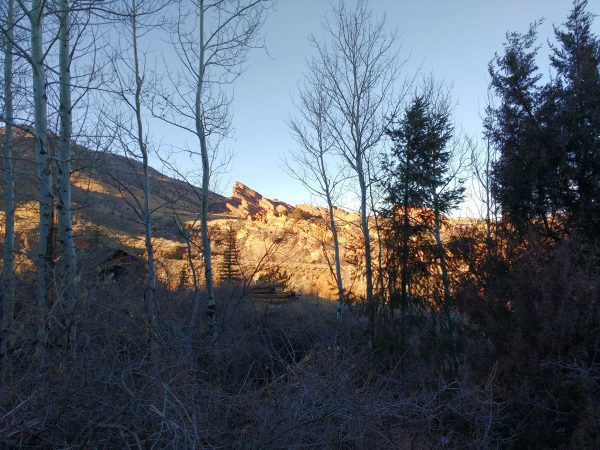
212, 42
143, 148
36, 14
311, 163
482, 162
64, 210
37, 56
8, 267
139, 79
132, 81
358, 66
453, 183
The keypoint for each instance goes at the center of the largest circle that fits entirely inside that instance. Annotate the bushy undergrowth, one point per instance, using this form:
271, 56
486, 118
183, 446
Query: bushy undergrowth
519, 371
537, 324
278, 377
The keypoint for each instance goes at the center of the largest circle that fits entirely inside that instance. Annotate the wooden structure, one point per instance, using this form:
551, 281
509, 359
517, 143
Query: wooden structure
117, 263
272, 293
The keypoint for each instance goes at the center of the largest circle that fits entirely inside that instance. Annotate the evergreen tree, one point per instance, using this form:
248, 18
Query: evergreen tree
401, 168
520, 178
421, 188
229, 269
548, 135
576, 93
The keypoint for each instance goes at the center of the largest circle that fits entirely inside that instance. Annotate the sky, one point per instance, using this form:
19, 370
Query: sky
452, 39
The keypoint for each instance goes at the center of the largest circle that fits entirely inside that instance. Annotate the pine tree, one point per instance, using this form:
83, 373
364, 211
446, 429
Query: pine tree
520, 176
576, 93
401, 168
421, 190
229, 269
548, 135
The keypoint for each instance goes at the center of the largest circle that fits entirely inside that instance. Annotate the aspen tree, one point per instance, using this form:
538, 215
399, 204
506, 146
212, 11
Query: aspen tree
212, 42
8, 267
311, 163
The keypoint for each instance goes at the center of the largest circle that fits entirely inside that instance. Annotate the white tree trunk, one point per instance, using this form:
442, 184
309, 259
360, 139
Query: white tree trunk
44, 172
312, 168
201, 133
336, 242
210, 287
380, 280
364, 225
336, 255
150, 294
195, 283
65, 225
8, 268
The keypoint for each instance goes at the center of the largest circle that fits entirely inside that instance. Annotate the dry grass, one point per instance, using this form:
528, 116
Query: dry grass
279, 377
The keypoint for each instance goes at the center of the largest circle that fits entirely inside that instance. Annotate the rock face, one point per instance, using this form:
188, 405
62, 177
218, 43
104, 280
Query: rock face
274, 236
245, 202
271, 236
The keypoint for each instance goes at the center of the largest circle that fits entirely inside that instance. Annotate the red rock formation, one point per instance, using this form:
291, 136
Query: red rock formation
245, 202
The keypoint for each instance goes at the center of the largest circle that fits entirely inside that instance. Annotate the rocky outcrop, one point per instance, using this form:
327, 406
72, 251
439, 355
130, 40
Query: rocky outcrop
246, 202
271, 234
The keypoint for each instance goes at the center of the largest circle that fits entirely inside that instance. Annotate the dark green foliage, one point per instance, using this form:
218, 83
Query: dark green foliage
514, 128
404, 193
417, 169
548, 135
419, 188
184, 277
229, 268
575, 93
274, 276
540, 315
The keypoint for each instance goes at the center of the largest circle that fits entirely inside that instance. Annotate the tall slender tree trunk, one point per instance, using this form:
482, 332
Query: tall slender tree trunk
336, 255
7, 296
65, 222
336, 242
195, 283
364, 224
446, 284
150, 292
442, 256
405, 271
208, 273
441, 251
201, 133
43, 163
380, 279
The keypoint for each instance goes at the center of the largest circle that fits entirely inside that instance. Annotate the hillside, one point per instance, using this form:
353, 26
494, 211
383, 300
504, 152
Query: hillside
272, 237
105, 189
107, 194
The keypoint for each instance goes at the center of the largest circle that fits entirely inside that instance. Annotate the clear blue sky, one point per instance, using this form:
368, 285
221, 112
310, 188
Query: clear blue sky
453, 39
